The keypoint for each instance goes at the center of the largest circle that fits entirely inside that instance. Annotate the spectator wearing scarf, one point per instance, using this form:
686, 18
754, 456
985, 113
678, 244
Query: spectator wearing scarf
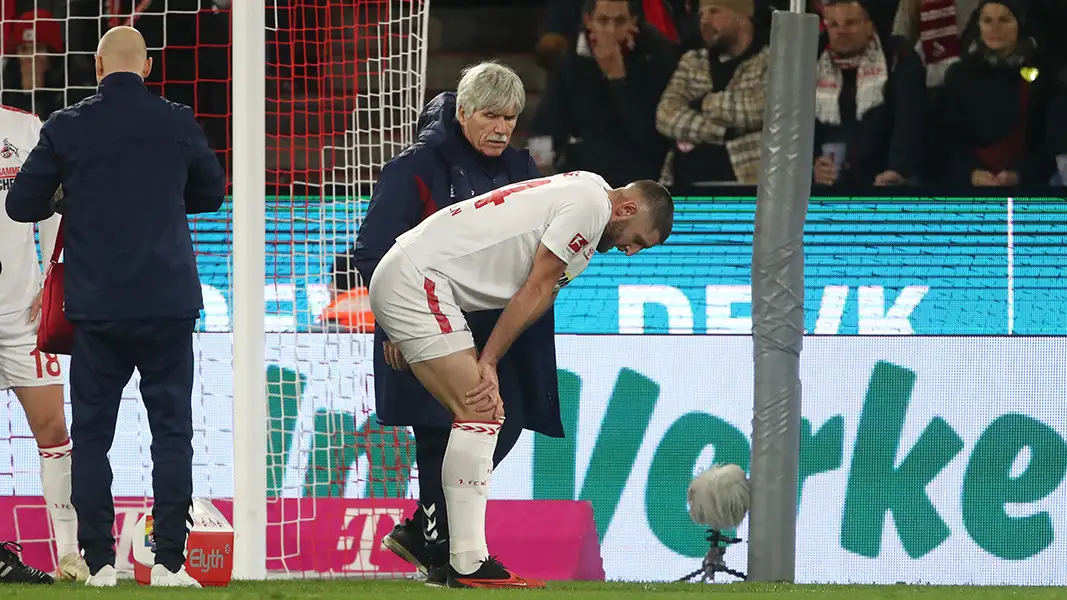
869, 103
935, 27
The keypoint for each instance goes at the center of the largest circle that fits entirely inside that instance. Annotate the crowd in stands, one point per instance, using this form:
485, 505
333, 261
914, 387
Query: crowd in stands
952, 93
48, 48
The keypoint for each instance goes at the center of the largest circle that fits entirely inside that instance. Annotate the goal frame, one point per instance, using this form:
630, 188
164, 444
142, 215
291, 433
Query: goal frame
248, 37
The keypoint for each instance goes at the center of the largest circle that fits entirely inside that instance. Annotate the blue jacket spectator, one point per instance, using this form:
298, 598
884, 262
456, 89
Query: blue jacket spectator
120, 199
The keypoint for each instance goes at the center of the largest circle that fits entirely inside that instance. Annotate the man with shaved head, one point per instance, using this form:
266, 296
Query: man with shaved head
128, 167
122, 50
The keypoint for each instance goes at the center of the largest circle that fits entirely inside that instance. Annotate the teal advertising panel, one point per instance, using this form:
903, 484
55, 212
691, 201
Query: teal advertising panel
901, 266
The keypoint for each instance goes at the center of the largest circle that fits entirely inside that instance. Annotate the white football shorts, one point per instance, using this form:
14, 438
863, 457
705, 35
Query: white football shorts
417, 310
21, 364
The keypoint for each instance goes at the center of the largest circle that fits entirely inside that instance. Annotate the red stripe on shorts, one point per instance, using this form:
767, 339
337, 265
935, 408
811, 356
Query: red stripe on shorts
435, 306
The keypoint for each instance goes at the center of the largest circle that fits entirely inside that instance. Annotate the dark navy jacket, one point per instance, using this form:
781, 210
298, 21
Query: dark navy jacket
441, 168
132, 165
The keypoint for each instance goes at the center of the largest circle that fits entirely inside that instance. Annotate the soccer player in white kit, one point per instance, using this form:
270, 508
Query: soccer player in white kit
511, 249
34, 376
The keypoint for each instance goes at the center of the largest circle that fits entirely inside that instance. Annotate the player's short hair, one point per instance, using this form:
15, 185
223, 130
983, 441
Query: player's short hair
490, 86
660, 206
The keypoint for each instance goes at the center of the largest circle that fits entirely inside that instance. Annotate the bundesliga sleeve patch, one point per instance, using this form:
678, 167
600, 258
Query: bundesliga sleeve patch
577, 243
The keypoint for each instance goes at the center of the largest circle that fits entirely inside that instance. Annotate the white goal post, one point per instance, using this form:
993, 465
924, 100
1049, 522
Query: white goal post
249, 279
389, 65
304, 101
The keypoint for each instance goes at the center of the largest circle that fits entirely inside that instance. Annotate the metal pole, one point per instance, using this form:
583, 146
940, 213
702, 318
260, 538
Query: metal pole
778, 294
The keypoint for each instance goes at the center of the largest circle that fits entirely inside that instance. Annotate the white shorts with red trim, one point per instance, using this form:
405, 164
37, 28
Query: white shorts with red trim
21, 364
417, 310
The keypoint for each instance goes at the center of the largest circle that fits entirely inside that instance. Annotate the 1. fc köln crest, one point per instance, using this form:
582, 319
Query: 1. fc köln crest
7, 150
577, 243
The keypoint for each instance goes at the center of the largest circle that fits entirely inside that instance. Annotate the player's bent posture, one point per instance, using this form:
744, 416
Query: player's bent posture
510, 249
34, 376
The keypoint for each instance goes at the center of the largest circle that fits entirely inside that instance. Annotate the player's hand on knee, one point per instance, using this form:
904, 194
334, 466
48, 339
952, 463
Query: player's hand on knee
486, 395
393, 357
491, 409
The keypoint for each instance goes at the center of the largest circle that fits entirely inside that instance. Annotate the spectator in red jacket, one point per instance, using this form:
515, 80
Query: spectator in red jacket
35, 82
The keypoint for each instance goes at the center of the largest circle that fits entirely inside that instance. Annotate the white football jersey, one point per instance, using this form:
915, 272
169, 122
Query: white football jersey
20, 277
485, 246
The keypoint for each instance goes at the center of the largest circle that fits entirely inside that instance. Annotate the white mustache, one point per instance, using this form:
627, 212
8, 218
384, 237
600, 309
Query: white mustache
498, 138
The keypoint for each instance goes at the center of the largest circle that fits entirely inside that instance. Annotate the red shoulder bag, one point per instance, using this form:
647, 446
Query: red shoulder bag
55, 334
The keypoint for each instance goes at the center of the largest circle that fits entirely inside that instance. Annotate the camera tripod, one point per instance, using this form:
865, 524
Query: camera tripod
715, 560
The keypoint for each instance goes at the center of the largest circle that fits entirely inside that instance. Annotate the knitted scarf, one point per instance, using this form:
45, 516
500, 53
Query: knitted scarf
939, 38
872, 73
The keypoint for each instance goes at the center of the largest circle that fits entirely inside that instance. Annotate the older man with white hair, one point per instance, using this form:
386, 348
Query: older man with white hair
462, 151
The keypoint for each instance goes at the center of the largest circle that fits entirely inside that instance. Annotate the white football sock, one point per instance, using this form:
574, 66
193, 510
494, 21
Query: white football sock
465, 477
55, 481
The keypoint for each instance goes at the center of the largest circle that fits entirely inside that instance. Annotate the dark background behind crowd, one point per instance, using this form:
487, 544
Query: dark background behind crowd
954, 96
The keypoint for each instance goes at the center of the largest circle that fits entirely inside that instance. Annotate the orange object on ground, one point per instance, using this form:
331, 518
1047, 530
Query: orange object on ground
350, 310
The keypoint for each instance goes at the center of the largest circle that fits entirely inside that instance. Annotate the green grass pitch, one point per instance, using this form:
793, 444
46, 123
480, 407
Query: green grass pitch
410, 590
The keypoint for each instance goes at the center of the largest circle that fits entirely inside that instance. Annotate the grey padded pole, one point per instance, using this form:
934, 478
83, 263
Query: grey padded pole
778, 295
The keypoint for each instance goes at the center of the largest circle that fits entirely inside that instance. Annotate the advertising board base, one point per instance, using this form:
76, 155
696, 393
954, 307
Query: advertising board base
552, 540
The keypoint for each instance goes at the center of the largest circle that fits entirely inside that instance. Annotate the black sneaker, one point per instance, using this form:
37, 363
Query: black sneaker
492, 574
437, 576
407, 542
13, 570
437, 565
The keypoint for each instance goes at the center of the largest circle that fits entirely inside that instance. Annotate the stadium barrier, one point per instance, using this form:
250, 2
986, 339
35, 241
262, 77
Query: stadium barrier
552, 540
960, 439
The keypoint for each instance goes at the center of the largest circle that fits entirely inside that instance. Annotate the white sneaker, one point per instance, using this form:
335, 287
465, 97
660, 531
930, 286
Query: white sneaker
105, 577
72, 567
161, 577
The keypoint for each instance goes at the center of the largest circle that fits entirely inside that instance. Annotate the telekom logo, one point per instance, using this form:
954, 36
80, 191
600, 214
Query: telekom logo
366, 541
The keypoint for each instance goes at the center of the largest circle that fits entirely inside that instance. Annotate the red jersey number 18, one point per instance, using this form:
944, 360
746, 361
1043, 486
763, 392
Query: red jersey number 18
46, 363
498, 196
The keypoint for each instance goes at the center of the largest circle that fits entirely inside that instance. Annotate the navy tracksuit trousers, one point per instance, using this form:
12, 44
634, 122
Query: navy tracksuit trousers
103, 358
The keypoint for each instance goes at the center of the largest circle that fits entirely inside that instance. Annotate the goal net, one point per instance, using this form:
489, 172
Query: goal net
344, 86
